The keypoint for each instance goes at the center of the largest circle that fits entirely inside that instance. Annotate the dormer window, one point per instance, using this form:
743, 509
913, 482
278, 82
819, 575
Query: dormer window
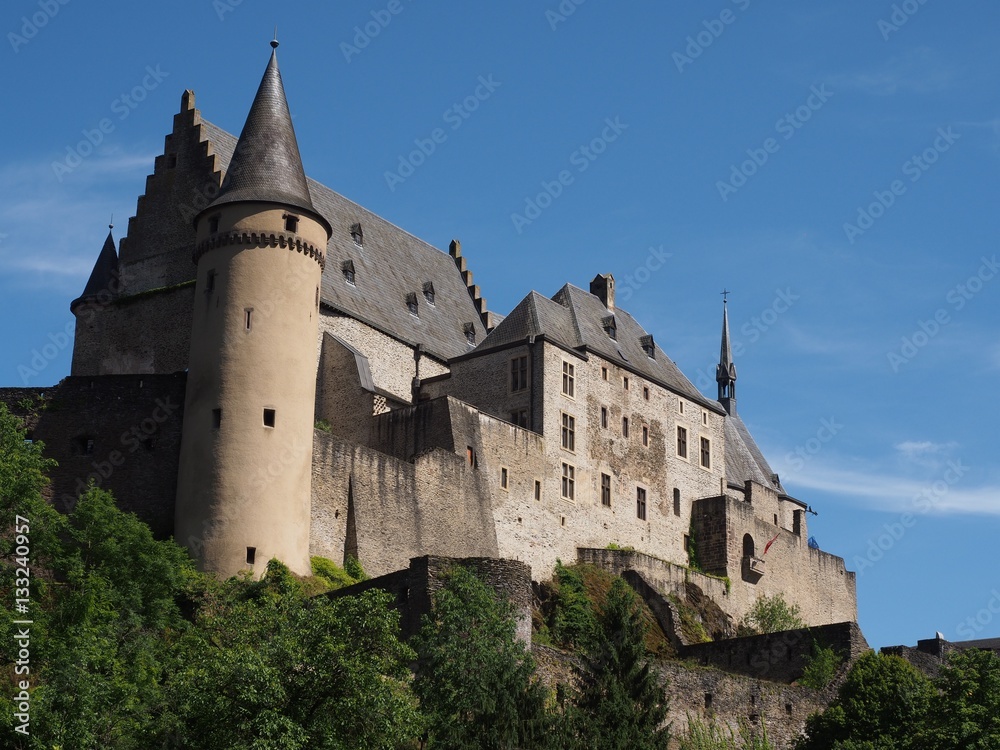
291, 223
648, 346
213, 224
610, 327
470, 333
347, 267
357, 235
411, 303
429, 292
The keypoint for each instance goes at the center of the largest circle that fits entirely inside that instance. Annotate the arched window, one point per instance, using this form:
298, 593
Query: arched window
748, 546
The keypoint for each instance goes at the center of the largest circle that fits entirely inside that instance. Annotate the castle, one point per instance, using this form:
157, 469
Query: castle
266, 369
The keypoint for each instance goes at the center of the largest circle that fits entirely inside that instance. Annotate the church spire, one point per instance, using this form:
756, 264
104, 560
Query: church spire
266, 165
725, 372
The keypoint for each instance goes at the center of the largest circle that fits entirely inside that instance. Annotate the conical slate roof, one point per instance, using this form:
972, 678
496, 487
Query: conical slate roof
266, 165
104, 277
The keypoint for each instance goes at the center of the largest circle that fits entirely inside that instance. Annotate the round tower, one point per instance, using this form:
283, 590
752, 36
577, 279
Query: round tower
244, 483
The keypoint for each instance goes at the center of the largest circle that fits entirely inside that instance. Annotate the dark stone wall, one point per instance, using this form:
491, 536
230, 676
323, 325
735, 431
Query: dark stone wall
778, 657
413, 588
121, 431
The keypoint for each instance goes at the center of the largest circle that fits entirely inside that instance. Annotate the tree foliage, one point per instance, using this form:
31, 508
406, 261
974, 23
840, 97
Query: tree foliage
770, 614
883, 702
821, 667
475, 680
622, 703
573, 623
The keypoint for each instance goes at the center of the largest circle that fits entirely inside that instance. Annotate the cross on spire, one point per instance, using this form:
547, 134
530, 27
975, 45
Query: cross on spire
725, 295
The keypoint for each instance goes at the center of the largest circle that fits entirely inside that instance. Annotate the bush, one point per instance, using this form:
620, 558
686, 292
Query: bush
821, 667
770, 614
331, 573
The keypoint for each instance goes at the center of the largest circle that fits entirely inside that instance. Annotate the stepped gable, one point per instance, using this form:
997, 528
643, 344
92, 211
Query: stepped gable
390, 265
576, 320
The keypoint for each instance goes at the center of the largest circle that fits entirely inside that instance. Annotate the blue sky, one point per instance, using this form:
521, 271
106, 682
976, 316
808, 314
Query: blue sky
835, 165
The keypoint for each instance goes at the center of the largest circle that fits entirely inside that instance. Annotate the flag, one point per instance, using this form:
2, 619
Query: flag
768, 545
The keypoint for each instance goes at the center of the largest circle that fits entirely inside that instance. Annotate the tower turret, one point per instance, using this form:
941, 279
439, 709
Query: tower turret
725, 371
244, 484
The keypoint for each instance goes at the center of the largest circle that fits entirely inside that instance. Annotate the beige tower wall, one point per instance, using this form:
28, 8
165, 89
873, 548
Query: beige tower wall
244, 484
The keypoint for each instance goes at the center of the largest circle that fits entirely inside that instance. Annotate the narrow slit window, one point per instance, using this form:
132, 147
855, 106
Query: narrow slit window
625, 383
504, 478
645, 392
604, 417
677, 501
625, 427
213, 224
210, 280
248, 318
269, 417
645, 436
251, 555
216, 418
538, 490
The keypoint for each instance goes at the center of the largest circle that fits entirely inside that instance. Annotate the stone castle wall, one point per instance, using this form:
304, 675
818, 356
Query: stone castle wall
123, 432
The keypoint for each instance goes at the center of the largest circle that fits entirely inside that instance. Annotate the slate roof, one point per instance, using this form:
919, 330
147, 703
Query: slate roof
744, 459
103, 276
267, 165
576, 320
391, 265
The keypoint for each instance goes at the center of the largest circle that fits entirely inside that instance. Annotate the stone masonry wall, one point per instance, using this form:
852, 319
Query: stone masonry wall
146, 333
413, 588
123, 432
386, 510
712, 695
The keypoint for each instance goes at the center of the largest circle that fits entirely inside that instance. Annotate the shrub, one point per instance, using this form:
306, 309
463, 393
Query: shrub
770, 614
821, 667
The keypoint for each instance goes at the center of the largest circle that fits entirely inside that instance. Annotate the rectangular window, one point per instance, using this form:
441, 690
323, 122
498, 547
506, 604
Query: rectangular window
640, 503
248, 318
568, 385
682, 442
470, 454
251, 555
213, 224
291, 224
604, 373
645, 435
625, 383
568, 432
210, 281
568, 481
680, 406
518, 374
677, 502
538, 489
704, 417
519, 417
606, 490
216, 418
504, 478
604, 417
645, 392
269, 417
706, 453
624, 426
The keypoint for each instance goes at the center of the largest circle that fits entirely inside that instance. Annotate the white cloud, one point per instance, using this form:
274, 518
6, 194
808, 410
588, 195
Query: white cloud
873, 488
918, 71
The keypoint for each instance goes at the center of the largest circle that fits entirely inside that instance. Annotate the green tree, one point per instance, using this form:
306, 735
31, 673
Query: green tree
573, 622
965, 715
475, 680
770, 614
269, 668
821, 667
881, 706
622, 703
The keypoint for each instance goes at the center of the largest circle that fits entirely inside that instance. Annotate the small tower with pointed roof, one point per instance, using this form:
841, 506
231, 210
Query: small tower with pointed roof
244, 484
725, 371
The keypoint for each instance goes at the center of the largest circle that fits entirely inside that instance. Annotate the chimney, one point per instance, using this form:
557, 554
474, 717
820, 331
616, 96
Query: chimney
603, 287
